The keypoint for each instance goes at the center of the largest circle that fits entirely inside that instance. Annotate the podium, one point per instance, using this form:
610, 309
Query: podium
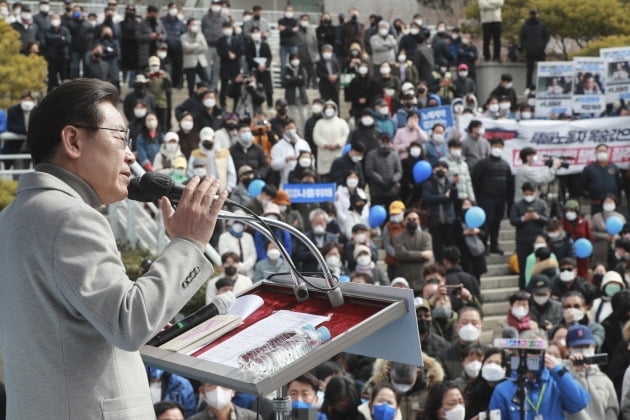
373, 321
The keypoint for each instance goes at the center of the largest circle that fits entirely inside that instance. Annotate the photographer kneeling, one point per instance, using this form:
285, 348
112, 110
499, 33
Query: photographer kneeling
535, 175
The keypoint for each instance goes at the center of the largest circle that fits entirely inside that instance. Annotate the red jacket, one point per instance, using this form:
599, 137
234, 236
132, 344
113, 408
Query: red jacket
579, 228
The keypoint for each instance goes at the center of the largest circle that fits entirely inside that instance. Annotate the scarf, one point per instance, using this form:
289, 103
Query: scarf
520, 324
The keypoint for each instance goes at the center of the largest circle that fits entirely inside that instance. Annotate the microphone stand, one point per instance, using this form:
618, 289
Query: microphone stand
335, 296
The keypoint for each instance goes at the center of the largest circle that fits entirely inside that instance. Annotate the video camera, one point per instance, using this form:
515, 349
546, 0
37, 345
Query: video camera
563, 159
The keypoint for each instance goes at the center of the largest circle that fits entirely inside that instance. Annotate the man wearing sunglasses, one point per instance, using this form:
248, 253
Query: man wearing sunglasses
71, 321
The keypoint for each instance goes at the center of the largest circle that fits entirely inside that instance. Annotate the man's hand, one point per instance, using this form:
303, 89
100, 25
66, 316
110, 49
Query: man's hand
550, 361
197, 211
579, 367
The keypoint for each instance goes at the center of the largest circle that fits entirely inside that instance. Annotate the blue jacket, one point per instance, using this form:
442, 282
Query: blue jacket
180, 390
261, 242
385, 124
400, 117
433, 152
3, 121
562, 393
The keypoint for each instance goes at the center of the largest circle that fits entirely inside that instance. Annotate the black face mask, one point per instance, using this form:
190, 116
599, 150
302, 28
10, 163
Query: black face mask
247, 181
597, 278
422, 91
230, 271
97, 57
207, 144
440, 173
411, 226
424, 325
359, 208
282, 111
256, 17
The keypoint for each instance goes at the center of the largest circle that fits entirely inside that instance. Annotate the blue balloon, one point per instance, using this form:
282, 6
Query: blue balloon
614, 225
377, 216
422, 171
346, 149
475, 217
255, 187
583, 248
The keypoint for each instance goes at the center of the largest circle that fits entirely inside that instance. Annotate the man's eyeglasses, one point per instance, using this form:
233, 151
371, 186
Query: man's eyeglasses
126, 132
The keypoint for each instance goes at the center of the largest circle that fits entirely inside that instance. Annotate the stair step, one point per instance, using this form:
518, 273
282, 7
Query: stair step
500, 269
491, 323
495, 308
498, 282
498, 295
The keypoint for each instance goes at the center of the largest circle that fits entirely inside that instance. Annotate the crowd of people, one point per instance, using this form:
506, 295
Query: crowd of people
387, 72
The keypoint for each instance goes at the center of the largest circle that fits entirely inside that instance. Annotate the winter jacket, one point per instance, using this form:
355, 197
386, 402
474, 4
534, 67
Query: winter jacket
561, 246
288, 38
212, 27
562, 394
408, 253
341, 167
146, 45
366, 135
281, 150
492, 177
526, 231
307, 45
534, 36
253, 156
385, 124
383, 49
603, 402
535, 175
384, 172
438, 204
459, 167
295, 85
57, 43
179, 389
329, 132
194, 47
600, 180
490, 10
361, 87
475, 149
433, 151
174, 28
550, 311
412, 403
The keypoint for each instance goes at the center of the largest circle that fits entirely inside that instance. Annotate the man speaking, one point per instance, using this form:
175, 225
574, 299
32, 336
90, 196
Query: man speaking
71, 320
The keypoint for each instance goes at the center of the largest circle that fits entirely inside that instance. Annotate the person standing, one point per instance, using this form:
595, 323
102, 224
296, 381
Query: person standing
230, 49
194, 60
600, 178
258, 56
475, 146
414, 249
212, 27
329, 135
490, 11
97, 318
534, 38
174, 28
328, 73
308, 49
149, 32
288, 28
57, 40
383, 171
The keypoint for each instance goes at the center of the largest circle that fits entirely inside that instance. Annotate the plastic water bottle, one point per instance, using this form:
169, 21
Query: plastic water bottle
289, 346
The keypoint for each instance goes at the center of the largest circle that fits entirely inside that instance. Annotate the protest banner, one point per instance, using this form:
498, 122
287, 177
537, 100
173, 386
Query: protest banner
431, 116
618, 74
573, 140
589, 85
554, 88
310, 193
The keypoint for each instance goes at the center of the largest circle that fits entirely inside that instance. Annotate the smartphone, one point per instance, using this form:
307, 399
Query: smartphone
596, 359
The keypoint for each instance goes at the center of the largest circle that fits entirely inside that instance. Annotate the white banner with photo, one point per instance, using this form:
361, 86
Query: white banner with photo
554, 88
589, 85
573, 140
618, 73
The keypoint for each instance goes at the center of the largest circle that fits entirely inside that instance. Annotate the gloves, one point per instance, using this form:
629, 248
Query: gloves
223, 301
148, 167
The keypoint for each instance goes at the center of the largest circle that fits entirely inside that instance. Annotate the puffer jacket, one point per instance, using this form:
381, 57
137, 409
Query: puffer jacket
492, 177
329, 131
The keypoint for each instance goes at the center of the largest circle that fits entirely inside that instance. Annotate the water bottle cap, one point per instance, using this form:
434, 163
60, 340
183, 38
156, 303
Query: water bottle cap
309, 327
344, 279
324, 333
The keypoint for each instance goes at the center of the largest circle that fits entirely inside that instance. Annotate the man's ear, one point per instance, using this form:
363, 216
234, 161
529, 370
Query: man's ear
71, 142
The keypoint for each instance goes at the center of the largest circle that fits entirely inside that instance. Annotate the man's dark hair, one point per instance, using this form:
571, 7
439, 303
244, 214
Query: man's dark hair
326, 369
367, 278
496, 140
357, 146
451, 254
520, 295
543, 253
163, 406
232, 255
567, 261
223, 282
74, 102
573, 293
309, 379
434, 268
525, 152
270, 190
454, 143
287, 122
474, 124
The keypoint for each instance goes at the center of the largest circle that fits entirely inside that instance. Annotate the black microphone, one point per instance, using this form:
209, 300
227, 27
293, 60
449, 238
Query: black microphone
185, 324
152, 186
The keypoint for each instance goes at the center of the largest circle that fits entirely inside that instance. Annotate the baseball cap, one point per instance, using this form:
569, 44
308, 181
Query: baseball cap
401, 281
171, 136
579, 335
539, 284
206, 133
361, 248
180, 162
281, 102
140, 78
245, 169
396, 207
462, 67
358, 227
571, 204
421, 303
154, 60
282, 198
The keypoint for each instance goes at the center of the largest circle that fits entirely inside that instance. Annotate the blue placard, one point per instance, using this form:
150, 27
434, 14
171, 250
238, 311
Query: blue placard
310, 193
431, 116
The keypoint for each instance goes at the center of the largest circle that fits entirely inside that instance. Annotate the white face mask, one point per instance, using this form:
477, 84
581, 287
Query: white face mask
367, 121
352, 182
292, 133
218, 398
541, 300
463, 74
414, 31
200, 171
356, 159
304, 23
330, 112
390, 92
305, 162
469, 333
402, 388
27, 106
55, 23
186, 125
496, 152
567, 276
602, 156
216, 9
139, 112
273, 254
256, 37
396, 218
383, 31
333, 261
327, 55
172, 12
609, 207
363, 70
472, 369
385, 70
361, 238
493, 107
526, 115
456, 153
154, 69
456, 413
228, 32
415, 152
438, 138
317, 108
171, 147
492, 372
508, 86
402, 58
531, 102
44, 8
570, 215
288, 15
586, 352
519, 312
295, 63
529, 198
319, 230
364, 260
383, 111
151, 124
162, 54
504, 106
573, 314
195, 29
209, 103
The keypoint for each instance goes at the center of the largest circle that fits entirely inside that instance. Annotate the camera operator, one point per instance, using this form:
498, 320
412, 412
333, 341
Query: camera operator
603, 403
535, 175
248, 95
